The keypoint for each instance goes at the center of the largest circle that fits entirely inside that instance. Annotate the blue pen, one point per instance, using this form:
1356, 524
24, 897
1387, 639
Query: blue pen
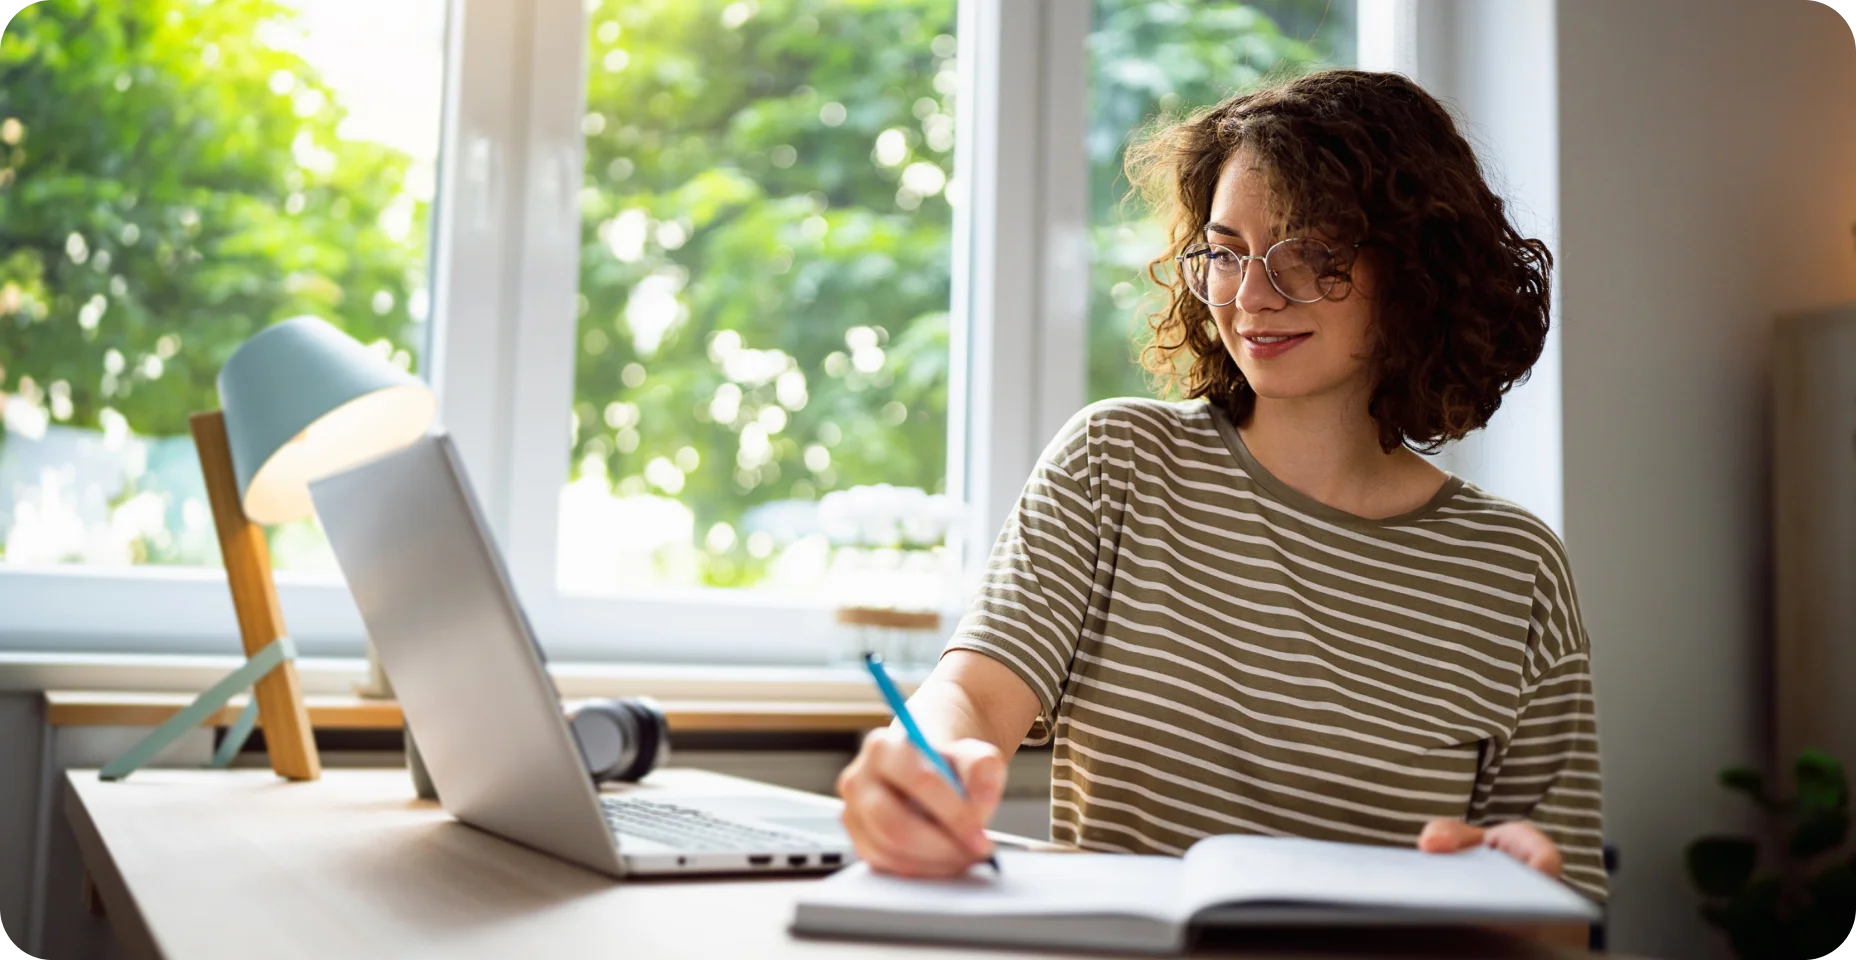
893, 696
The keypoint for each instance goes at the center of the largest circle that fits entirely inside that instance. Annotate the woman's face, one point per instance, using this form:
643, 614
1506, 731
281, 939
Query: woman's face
1286, 350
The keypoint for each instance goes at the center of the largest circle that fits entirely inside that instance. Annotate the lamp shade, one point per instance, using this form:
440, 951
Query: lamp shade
303, 400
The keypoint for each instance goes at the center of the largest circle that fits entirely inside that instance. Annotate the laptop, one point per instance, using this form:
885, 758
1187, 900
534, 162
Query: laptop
439, 606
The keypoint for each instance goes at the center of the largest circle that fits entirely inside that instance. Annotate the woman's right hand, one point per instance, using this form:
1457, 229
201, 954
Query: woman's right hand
905, 819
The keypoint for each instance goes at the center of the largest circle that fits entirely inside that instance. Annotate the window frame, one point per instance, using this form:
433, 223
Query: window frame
504, 277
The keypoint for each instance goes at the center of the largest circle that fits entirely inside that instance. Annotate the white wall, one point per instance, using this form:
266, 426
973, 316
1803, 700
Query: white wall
1707, 159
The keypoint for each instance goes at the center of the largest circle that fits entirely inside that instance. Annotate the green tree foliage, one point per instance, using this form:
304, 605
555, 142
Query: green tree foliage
171, 181
750, 216
170, 184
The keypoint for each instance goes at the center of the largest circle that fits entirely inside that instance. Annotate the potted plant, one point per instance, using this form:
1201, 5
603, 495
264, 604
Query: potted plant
1803, 903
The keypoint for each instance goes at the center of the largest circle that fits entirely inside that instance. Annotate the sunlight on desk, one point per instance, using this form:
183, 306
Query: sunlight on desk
209, 864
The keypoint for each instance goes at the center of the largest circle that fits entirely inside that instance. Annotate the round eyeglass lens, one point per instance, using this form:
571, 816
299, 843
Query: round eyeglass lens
1302, 270
1213, 273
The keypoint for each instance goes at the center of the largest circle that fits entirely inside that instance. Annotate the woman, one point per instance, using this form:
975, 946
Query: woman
1258, 610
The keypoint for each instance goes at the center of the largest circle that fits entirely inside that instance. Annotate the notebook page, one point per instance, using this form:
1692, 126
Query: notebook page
1029, 884
1240, 869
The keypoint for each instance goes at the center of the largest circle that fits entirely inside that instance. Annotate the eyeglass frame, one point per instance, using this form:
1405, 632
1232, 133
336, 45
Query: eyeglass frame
1243, 268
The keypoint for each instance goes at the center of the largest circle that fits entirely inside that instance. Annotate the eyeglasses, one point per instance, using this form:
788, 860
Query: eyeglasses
1302, 269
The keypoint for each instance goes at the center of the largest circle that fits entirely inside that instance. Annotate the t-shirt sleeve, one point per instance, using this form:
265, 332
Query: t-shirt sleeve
1028, 610
1547, 773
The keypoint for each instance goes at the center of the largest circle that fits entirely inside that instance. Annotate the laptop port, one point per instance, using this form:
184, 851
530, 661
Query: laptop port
830, 859
795, 859
760, 860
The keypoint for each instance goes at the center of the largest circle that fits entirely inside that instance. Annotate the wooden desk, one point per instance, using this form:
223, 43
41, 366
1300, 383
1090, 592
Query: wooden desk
192, 865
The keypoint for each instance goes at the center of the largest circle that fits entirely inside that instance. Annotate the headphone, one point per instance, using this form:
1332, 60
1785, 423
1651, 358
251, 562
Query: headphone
621, 739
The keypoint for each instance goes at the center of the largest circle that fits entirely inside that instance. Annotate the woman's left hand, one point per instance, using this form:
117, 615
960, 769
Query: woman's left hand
1517, 838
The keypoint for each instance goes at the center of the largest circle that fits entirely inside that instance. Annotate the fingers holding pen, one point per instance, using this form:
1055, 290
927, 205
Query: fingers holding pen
903, 815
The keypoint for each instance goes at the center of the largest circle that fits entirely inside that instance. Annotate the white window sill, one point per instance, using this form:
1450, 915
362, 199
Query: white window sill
188, 673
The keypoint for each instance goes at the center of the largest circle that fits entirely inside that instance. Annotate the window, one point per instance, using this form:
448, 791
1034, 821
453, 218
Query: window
173, 177
1148, 58
687, 268
763, 296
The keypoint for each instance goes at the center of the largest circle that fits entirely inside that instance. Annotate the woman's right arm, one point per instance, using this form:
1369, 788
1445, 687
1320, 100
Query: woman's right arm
1005, 666
902, 817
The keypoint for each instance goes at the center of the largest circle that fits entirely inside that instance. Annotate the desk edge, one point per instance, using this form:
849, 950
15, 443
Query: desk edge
124, 916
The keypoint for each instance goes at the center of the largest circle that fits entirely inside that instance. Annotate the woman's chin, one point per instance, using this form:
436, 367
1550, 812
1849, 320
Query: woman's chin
1281, 387
1276, 386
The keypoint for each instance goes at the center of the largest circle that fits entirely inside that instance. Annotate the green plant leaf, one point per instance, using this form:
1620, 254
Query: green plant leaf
1745, 780
1720, 866
1761, 897
1821, 784
1818, 831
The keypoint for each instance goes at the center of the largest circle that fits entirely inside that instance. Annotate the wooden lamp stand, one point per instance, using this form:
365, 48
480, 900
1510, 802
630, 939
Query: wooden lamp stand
270, 670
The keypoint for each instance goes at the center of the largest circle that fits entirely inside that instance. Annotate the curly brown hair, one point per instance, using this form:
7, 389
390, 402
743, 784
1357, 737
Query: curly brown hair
1461, 298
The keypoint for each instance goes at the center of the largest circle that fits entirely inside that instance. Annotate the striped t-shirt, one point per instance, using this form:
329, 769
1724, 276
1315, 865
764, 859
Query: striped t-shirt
1214, 652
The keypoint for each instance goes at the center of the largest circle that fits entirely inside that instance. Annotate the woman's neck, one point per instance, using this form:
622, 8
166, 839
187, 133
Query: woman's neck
1328, 448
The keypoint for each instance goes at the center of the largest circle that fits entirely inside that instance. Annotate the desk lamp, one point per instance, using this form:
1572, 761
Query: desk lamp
299, 401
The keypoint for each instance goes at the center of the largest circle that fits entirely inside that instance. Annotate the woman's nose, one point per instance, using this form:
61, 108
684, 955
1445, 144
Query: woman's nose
1255, 292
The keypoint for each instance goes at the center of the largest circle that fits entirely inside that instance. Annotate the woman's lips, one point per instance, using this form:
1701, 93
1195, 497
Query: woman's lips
1273, 346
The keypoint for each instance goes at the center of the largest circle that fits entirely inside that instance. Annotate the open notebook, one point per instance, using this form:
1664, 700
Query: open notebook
1099, 901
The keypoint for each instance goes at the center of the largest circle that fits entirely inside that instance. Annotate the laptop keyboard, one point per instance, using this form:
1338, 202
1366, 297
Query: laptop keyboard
694, 830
